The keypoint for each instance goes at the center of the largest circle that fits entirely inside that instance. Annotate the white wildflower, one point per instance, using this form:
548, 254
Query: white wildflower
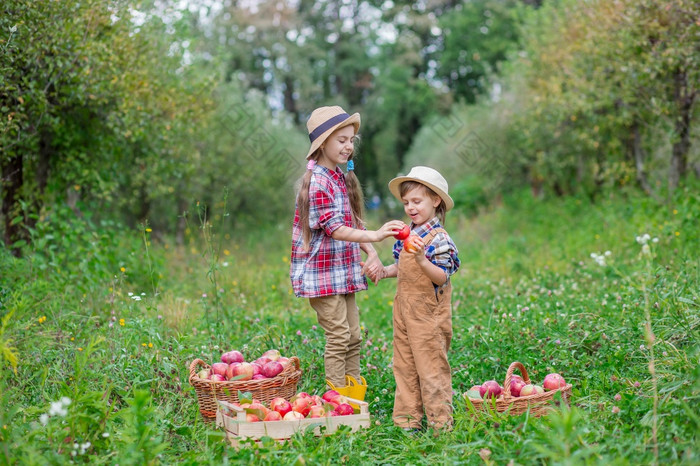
65, 401
44, 419
105, 434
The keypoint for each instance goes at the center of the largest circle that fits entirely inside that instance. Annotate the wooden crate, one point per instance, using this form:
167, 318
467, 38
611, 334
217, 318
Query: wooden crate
233, 420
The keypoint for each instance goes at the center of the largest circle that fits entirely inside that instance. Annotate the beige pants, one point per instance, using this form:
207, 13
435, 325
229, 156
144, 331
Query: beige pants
422, 335
339, 317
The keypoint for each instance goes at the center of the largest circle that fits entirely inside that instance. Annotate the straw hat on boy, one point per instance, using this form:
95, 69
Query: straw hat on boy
324, 120
427, 176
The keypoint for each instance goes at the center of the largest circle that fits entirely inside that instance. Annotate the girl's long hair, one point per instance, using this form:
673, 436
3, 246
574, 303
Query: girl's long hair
357, 201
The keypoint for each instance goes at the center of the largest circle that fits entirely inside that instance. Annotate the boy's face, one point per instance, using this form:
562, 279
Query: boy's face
420, 205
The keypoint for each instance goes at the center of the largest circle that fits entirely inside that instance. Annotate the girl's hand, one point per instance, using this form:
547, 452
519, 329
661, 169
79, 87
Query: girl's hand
390, 228
372, 267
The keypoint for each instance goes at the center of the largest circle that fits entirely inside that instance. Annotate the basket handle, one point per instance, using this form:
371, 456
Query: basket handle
193, 368
509, 375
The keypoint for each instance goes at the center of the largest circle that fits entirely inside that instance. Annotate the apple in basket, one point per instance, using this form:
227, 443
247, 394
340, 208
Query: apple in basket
490, 389
272, 355
262, 360
231, 357
293, 416
530, 389
259, 377
242, 371
316, 400
204, 374
516, 385
280, 405
284, 361
217, 378
229, 371
344, 409
273, 416
272, 369
257, 368
252, 418
553, 381
219, 368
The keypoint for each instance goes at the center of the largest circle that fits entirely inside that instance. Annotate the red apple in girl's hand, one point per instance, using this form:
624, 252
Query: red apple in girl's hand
403, 233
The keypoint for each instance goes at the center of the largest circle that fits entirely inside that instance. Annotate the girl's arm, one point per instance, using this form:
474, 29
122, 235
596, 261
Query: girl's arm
355, 235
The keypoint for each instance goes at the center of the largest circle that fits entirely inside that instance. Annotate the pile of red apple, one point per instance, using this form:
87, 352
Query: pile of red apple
233, 367
518, 387
301, 406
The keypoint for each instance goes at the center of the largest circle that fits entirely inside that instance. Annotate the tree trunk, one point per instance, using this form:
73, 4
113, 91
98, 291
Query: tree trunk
42, 177
12, 180
290, 105
684, 99
181, 221
636, 152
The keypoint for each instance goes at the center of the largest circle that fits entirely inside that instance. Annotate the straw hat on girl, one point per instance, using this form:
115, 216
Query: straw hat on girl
427, 176
324, 120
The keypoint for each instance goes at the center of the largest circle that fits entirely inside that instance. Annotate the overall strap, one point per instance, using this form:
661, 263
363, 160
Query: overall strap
433, 233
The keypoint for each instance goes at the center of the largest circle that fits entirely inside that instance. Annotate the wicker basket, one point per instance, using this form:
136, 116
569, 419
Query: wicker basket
208, 392
538, 404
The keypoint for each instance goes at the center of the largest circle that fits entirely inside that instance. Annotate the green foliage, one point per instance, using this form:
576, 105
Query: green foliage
528, 290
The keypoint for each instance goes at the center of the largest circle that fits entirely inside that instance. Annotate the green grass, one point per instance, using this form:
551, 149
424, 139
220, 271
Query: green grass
528, 291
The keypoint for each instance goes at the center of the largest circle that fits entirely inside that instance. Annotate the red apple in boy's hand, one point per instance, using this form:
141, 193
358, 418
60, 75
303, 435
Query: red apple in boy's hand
412, 244
403, 233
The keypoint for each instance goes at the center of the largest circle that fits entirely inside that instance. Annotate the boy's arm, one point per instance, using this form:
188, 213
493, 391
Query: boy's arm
390, 271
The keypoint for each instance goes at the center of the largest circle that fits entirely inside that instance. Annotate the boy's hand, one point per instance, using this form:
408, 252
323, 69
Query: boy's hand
415, 245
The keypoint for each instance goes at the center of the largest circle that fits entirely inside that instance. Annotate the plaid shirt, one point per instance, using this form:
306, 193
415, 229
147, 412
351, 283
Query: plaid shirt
330, 266
442, 251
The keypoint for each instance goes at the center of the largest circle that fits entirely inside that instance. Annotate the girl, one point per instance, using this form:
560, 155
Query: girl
422, 306
327, 237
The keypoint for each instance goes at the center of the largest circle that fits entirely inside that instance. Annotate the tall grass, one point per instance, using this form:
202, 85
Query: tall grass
89, 327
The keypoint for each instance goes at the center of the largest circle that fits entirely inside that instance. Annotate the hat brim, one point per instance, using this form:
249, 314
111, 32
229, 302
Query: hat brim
395, 185
354, 120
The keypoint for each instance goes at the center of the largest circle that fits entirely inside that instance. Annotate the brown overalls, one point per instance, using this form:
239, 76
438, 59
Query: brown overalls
422, 334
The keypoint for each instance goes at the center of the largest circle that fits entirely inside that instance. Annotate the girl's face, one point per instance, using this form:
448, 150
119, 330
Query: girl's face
419, 205
338, 147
